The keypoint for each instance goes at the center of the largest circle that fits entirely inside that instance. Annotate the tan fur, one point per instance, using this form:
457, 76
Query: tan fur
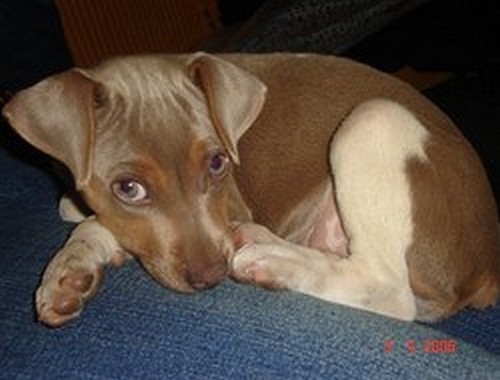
159, 119
455, 229
295, 87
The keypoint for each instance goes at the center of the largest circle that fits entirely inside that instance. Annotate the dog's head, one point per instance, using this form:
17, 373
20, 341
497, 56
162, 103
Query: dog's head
150, 142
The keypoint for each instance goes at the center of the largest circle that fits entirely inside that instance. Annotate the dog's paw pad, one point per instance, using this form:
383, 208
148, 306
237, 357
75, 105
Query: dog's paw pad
80, 282
258, 274
59, 300
67, 305
118, 258
249, 267
58, 310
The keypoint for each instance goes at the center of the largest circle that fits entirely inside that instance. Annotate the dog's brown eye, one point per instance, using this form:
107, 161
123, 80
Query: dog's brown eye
130, 191
218, 164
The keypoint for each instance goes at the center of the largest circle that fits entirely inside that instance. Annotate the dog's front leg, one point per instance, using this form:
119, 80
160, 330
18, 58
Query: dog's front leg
74, 274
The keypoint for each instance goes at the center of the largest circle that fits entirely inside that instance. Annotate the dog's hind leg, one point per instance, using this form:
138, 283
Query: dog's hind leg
74, 274
273, 263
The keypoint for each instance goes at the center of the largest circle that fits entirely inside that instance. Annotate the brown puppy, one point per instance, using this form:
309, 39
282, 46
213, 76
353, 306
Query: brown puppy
370, 195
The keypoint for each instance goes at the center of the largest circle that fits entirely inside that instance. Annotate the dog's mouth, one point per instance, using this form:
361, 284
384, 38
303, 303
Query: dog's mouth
190, 282
189, 277
208, 278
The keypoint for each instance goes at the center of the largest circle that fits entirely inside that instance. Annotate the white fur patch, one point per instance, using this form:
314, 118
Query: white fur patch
368, 158
69, 211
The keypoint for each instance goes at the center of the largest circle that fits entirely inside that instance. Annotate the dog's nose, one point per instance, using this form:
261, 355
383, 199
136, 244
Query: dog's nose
208, 278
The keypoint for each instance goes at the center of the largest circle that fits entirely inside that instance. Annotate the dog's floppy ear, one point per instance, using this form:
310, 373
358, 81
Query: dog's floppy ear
234, 97
57, 116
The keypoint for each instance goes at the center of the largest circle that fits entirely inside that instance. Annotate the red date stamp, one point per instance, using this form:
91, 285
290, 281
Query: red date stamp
427, 346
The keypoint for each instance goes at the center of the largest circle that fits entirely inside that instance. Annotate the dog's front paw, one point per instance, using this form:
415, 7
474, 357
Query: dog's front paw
72, 277
61, 298
248, 233
256, 264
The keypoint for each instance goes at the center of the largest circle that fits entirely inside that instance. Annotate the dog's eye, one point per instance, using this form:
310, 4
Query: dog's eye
218, 164
130, 191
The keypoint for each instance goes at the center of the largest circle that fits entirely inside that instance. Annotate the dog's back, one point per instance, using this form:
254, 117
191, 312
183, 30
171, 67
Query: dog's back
308, 98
